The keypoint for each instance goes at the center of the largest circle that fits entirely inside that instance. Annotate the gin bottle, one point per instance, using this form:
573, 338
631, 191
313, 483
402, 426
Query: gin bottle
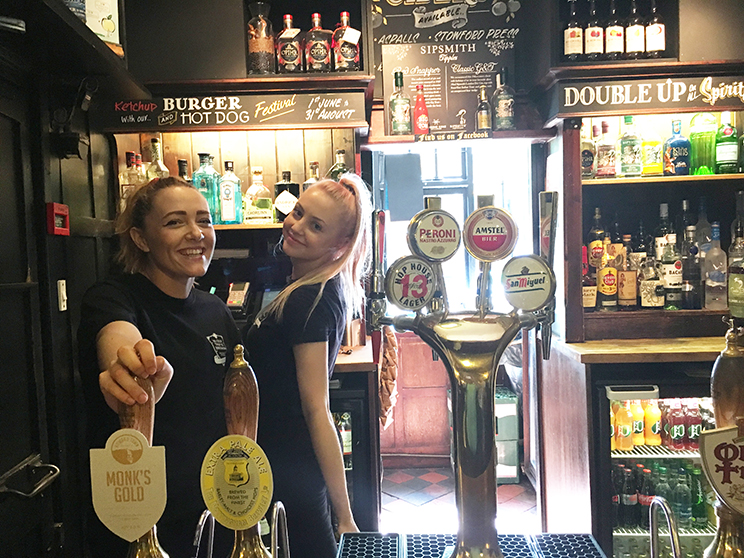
483, 115
183, 170
318, 47
677, 152
606, 159
156, 168
715, 272
727, 146
691, 286
739, 219
736, 273
289, 48
339, 167
703, 130
588, 153
286, 193
231, 197
260, 35
502, 103
400, 109
345, 42
258, 203
651, 153
206, 180
314, 175
630, 150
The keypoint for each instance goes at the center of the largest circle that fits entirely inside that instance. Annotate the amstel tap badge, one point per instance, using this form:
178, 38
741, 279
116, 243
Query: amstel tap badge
722, 454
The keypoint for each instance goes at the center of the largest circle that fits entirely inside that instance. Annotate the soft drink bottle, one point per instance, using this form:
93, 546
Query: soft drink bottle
664, 408
617, 485
624, 427
662, 487
629, 500
677, 426
612, 430
699, 509
694, 424
682, 501
652, 424
638, 422
646, 493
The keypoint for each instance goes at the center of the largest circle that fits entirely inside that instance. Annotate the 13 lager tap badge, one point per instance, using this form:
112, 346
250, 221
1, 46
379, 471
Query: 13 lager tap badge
409, 283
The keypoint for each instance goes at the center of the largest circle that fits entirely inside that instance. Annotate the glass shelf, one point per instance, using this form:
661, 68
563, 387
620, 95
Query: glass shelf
643, 180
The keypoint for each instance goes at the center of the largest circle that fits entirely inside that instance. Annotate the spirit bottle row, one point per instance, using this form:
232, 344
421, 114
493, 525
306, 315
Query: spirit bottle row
291, 51
614, 38
712, 148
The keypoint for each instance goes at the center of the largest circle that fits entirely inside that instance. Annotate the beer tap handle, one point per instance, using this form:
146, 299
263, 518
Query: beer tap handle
240, 393
376, 306
548, 223
483, 298
140, 416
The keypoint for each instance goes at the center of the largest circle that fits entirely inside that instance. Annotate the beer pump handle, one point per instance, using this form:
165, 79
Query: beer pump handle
548, 224
376, 306
140, 416
483, 297
240, 394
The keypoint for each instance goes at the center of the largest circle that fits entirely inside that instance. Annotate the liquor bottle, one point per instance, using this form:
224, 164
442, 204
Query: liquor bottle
339, 167
289, 48
344, 426
257, 200
595, 242
420, 113
683, 219
652, 287
646, 493
345, 43
630, 149
260, 39
483, 116
629, 501
588, 152
638, 251
727, 146
703, 130
627, 280
739, 213
156, 168
593, 35
606, 163
682, 501
606, 281
206, 179
655, 34
661, 233
231, 197
129, 180
314, 175
588, 284
677, 152
715, 272
635, 33
652, 159
703, 232
614, 35
736, 273
140, 168
318, 47
616, 235
573, 38
286, 193
691, 286
400, 109
183, 170
502, 102
671, 273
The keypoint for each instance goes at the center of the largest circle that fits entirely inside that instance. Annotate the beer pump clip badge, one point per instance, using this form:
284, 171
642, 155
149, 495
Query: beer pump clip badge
529, 283
434, 235
490, 234
409, 283
128, 484
722, 454
236, 482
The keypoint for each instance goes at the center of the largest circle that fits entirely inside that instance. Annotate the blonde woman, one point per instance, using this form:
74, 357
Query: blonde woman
292, 347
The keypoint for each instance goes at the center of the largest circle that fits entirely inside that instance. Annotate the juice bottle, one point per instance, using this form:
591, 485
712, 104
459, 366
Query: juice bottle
694, 423
652, 420
612, 430
638, 422
677, 426
624, 427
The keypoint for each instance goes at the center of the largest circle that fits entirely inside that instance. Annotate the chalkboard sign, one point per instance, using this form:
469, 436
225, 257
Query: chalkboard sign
234, 112
481, 31
451, 76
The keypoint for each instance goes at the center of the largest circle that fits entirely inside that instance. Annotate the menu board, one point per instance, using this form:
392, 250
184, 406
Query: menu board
465, 33
234, 112
451, 76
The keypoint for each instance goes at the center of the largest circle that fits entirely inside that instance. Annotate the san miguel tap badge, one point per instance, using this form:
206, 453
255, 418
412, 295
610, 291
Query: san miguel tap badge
722, 454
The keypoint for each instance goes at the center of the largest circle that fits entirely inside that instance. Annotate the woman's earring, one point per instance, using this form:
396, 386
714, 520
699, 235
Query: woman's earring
278, 250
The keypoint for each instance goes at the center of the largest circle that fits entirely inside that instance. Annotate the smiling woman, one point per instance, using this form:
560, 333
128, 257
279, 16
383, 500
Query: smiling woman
151, 322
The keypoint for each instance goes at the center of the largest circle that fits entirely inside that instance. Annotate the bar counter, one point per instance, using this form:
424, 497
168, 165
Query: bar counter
680, 349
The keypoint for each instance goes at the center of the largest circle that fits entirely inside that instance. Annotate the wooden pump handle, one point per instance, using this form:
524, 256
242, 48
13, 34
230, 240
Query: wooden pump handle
241, 397
140, 416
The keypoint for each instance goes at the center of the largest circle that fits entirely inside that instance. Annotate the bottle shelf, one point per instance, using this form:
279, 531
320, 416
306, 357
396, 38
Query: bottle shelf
708, 530
642, 324
248, 226
645, 180
533, 136
655, 452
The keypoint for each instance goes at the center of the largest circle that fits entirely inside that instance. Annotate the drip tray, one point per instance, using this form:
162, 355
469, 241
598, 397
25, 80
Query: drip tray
392, 545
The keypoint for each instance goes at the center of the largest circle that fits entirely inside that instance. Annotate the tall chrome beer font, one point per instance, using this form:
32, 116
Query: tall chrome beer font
469, 343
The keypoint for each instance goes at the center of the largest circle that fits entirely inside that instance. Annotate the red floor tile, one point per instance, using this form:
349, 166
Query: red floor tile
506, 492
436, 490
433, 477
398, 477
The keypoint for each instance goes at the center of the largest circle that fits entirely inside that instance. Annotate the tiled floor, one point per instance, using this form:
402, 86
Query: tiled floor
423, 501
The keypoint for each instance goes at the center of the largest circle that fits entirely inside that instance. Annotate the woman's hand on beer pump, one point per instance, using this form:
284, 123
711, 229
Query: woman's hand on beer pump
122, 354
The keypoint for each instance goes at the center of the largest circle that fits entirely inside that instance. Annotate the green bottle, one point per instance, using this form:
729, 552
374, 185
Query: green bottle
630, 150
727, 146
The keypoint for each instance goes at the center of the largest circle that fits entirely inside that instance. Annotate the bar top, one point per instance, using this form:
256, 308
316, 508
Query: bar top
360, 360
679, 349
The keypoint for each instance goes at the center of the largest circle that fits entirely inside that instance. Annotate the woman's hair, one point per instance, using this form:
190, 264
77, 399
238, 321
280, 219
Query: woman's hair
351, 194
138, 207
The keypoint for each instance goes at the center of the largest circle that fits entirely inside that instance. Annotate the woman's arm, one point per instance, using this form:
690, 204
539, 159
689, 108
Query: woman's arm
122, 352
312, 378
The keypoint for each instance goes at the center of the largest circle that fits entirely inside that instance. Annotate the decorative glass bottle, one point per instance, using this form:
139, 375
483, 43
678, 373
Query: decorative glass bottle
400, 109
231, 197
156, 169
318, 47
260, 39
289, 48
345, 43
502, 102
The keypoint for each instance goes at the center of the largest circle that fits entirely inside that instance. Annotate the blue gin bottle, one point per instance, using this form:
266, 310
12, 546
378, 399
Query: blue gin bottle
206, 179
676, 152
